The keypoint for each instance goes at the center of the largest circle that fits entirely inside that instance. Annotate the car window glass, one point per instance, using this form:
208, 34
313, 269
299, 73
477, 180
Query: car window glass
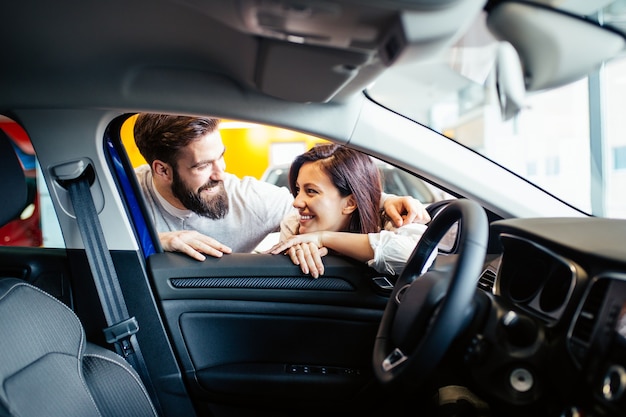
37, 225
265, 153
615, 151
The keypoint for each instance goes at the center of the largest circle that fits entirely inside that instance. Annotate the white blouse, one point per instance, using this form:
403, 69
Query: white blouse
392, 246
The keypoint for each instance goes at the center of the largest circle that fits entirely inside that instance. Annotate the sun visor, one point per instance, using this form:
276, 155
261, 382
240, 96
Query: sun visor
305, 73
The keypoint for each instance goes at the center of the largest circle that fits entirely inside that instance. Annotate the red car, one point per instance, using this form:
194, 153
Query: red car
26, 229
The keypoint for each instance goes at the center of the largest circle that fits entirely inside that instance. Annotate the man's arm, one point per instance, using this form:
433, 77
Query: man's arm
404, 210
192, 243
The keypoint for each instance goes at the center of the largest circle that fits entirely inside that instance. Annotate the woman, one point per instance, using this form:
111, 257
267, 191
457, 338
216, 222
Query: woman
336, 193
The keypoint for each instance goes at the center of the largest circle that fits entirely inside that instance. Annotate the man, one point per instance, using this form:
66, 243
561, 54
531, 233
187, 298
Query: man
198, 208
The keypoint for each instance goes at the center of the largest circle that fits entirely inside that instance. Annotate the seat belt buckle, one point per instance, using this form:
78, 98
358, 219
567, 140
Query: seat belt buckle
122, 330
126, 349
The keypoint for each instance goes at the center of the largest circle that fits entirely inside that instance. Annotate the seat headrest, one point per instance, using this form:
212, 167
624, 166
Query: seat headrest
46, 326
13, 186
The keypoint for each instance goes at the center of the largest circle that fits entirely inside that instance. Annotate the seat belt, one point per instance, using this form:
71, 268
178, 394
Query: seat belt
122, 329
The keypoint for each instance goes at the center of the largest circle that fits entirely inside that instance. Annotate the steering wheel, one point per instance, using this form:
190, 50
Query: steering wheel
426, 312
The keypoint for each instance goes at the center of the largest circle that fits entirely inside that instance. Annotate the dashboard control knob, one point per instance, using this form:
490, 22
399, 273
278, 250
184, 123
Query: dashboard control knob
520, 331
614, 383
521, 379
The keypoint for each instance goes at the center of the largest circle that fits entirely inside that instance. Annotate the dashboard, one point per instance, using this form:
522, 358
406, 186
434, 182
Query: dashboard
554, 334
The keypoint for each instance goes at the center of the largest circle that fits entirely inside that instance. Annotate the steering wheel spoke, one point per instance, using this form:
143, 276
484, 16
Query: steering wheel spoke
395, 358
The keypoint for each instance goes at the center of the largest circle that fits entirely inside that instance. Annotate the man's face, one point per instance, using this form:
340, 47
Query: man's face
197, 180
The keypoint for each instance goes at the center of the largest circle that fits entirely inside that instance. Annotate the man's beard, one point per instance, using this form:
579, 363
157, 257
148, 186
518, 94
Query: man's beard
215, 207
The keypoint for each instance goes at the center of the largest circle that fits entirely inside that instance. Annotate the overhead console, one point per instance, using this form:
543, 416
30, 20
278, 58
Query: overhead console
343, 45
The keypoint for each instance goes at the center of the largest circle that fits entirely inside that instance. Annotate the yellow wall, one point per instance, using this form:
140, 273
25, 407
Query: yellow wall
247, 145
129, 142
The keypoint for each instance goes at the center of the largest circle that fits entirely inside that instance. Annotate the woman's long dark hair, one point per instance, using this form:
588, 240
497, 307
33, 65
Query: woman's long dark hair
352, 172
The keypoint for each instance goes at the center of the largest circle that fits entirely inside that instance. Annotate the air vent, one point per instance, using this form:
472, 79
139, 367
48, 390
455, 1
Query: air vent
585, 323
487, 280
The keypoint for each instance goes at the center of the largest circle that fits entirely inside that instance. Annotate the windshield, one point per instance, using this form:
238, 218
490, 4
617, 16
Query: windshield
568, 140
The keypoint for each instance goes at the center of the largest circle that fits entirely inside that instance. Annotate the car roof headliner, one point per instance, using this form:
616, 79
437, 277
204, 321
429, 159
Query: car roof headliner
135, 55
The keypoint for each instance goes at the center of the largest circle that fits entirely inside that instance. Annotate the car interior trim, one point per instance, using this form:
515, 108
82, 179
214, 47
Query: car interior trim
278, 282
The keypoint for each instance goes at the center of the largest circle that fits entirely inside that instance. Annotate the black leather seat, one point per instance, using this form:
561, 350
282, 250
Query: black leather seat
46, 366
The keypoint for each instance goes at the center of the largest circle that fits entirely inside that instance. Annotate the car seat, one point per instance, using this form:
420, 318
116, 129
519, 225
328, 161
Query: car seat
47, 368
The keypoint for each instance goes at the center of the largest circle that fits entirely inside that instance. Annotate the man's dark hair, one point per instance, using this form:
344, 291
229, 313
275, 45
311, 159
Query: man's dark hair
162, 136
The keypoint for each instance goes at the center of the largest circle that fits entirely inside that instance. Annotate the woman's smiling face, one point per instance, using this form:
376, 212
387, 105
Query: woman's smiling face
317, 199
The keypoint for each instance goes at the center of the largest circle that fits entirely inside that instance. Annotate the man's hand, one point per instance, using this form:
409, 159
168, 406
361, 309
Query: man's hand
405, 210
192, 243
305, 250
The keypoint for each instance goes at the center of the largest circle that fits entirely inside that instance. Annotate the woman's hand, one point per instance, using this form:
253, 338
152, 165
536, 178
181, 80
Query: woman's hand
305, 250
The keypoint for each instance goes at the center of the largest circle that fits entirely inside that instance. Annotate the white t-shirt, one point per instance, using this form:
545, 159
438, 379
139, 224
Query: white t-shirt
255, 209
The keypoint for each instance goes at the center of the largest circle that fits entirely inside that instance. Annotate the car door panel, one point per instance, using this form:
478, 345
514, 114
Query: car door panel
253, 327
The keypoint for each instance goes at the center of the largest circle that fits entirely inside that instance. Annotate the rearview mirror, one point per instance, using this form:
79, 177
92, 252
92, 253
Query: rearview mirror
550, 55
509, 81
